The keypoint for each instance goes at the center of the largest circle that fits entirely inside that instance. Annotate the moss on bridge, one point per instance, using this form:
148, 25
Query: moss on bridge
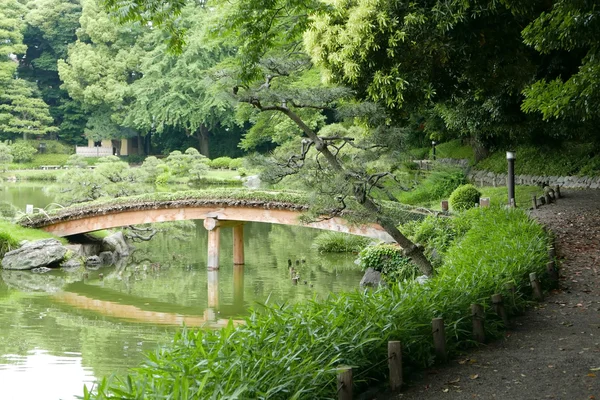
228, 197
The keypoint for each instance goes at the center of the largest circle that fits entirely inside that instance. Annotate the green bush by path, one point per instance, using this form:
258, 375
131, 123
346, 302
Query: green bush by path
464, 197
390, 261
436, 186
221, 162
338, 242
291, 352
42, 159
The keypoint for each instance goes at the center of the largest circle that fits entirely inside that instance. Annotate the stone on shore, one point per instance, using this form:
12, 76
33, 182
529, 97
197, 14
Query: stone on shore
371, 278
41, 253
116, 243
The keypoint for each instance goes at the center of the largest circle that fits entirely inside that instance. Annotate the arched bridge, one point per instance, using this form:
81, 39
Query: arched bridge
218, 209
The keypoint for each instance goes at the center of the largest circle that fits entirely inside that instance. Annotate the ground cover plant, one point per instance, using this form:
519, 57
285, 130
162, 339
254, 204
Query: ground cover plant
437, 185
11, 235
571, 159
291, 352
338, 242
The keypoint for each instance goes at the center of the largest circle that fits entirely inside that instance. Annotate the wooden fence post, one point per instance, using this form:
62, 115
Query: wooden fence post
548, 198
444, 205
498, 303
344, 381
478, 318
557, 192
439, 338
395, 364
534, 201
552, 273
536, 286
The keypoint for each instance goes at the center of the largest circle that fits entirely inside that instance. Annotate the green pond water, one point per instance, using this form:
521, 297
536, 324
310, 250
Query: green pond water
61, 330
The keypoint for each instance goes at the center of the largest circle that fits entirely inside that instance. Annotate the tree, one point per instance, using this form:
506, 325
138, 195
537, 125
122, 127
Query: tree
50, 28
175, 91
99, 69
272, 74
570, 28
22, 113
11, 37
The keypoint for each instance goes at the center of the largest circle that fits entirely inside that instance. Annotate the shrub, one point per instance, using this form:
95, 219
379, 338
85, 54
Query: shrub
56, 147
464, 197
22, 152
5, 156
338, 242
76, 161
236, 163
389, 260
221, 162
436, 186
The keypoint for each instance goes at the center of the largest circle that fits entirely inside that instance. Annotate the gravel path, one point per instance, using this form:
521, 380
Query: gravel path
554, 350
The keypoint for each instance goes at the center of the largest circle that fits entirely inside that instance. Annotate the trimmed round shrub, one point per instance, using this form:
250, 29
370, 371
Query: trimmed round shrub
236, 163
464, 197
22, 152
389, 260
220, 163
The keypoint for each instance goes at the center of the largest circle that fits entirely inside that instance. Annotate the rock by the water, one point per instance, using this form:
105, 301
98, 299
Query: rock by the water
107, 258
116, 243
41, 270
93, 261
371, 278
252, 182
25, 281
73, 263
41, 253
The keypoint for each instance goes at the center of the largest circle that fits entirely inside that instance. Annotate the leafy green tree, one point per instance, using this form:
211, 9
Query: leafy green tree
11, 37
99, 69
175, 91
50, 28
274, 77
571, 26
22, 113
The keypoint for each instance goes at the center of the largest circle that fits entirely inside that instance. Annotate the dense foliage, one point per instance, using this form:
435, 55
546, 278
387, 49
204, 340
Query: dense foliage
338, 242
284, 352
389, 260
464, 197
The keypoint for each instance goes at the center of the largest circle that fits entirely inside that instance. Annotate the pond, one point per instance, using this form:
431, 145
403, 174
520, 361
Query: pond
61, 330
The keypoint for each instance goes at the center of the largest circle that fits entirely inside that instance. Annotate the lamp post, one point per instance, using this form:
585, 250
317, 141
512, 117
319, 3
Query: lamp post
433, 148
511, 156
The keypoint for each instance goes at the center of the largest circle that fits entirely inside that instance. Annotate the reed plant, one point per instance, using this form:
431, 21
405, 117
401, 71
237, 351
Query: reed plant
292, 351
338, 242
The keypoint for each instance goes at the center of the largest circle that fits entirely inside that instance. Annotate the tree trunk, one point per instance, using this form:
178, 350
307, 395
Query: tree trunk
410, 249
203, 142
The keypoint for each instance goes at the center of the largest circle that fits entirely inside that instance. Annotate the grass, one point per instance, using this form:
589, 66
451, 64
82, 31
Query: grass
437, 185
292, 352
337, 242
41, 159
33, 175
499, 195
11, 235
570, 159
455, 149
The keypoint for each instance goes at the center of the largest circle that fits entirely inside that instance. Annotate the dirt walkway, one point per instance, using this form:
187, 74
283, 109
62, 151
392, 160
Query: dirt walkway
554, 350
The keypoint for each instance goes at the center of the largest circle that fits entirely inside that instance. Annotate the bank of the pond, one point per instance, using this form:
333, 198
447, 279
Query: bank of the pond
291, 352
11, 235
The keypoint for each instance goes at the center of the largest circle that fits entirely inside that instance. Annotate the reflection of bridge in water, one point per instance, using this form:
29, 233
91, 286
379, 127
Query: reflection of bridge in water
136, 309
216, 213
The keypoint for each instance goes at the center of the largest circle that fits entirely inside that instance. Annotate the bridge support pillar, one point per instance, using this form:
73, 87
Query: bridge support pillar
238, 285
214, 242
238, 244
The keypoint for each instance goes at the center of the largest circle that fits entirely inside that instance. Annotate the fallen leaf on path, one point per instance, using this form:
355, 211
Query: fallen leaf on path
475, 376
591, 375
594, 369
453, 381
445, 390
